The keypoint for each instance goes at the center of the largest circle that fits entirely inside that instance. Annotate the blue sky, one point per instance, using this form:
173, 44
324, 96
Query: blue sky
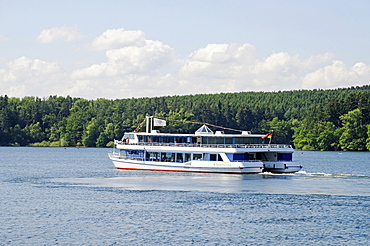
123, 49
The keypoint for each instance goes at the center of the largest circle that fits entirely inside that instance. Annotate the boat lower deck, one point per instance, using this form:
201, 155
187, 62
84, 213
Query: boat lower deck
193, 166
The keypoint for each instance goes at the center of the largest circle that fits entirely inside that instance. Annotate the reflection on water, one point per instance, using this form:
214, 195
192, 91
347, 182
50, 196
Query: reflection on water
298, 183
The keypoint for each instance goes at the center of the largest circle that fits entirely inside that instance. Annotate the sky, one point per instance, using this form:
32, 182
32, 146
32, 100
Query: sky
147, 48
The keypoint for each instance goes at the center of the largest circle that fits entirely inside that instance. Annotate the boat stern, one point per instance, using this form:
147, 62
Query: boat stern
281, 167
251, 167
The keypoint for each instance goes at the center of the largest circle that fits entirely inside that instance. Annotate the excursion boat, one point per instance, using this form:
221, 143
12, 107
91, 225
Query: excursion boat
204, 151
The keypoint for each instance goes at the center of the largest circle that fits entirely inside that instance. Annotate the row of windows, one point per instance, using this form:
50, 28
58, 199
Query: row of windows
181, 157
170, 156
200, 140
185, 157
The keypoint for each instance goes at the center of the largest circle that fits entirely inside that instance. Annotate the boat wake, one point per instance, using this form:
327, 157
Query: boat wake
319, 175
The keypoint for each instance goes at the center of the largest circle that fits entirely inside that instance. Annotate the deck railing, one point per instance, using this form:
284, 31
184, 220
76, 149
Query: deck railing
249, 146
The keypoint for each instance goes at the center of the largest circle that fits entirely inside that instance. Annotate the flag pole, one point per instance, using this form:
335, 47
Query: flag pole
271, 134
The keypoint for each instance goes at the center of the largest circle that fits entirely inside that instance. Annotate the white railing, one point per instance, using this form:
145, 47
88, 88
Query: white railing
259, 146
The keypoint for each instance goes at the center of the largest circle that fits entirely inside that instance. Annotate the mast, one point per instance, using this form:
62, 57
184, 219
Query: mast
149, 124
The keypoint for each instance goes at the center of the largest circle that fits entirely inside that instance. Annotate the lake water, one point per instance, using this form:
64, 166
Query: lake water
57, 196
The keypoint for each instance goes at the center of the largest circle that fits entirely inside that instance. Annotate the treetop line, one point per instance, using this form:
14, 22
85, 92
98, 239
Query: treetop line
310, 119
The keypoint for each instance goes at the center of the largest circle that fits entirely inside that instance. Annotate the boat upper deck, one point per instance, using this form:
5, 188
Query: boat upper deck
248, 146
202, 138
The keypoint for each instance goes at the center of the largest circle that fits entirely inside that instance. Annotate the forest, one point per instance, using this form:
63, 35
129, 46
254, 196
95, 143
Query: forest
337, 119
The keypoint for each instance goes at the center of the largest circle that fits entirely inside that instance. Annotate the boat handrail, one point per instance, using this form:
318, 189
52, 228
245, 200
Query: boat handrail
259, 146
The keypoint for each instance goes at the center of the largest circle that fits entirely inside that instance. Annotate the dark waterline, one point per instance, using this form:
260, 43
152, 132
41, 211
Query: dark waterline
56, 196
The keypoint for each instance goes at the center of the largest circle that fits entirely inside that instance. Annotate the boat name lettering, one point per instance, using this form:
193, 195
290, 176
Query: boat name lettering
222, 164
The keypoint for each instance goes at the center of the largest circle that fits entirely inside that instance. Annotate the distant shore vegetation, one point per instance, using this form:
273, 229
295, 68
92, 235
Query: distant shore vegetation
336, 119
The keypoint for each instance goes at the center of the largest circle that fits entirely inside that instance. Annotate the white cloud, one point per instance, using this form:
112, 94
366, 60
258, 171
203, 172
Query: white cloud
129, 60
64, 33
145, 70
235, 67
137, 67
133, 66
218, 60
338, 75
118, 38
224, 53
24, 76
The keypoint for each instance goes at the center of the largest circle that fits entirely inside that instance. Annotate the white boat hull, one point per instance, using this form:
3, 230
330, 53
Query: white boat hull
193, 166
281, 167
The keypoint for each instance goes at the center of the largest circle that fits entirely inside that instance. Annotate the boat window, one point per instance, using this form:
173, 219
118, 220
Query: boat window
249, 140
168, 139
123, 153
168, 157
228, 141
149, 139
220, 140
213, 157
179, 140
163, 156
241, 157
171, 157
152, 156
261, 156
254, 140
188, 140
135, 153
212, 140
141, 139
240, 140
285, 157
197, 157
179, 157
187, 157
129, 136
204, 140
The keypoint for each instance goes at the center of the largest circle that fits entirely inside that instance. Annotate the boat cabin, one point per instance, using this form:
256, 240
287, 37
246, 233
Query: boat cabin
203, 135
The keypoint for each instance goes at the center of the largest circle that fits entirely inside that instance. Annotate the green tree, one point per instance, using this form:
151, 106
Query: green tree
282, 130
72, 129
327, 138
19, 137
368, 137
34, 133
354, 133
105, 136
303, 138
91, 133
